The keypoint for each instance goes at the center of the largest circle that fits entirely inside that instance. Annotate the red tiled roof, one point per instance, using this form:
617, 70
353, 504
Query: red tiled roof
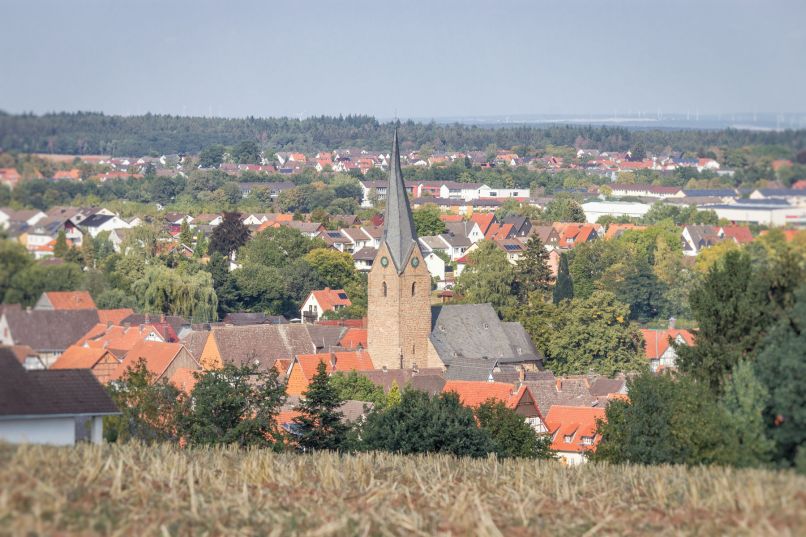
329, 298
484, 220
353, 338
740, 234
71, 300
473, 393
656, 342
344, 361
577, 421
157, 355
115, 316
615, 230
75, 357
451, 217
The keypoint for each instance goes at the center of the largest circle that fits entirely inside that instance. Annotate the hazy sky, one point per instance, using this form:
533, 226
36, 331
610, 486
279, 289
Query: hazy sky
417, 58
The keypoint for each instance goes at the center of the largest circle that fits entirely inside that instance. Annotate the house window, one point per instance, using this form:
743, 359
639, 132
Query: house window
413, 288
384, 289
587, 440
568, 438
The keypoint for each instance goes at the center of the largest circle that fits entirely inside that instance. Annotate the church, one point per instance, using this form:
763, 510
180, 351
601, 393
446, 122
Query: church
405, 331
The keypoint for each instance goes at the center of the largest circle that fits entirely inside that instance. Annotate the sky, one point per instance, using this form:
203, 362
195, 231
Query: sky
410, 59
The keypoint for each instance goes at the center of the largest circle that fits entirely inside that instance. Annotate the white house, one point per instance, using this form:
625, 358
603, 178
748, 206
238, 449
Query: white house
56, 407
596, 209
321, 301
98, 223
435, 266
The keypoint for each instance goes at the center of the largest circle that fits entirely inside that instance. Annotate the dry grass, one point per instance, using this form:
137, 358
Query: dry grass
137, 490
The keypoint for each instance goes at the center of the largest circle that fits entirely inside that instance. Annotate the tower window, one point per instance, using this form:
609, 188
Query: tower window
384, 289
413, 288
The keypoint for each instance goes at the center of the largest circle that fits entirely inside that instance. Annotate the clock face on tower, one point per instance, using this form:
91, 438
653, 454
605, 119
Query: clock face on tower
415, 261
384, 261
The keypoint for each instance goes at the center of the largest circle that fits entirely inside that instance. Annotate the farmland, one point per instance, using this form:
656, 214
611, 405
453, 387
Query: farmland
164, 490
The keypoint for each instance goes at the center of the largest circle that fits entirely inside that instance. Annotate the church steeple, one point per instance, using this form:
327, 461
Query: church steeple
398, 226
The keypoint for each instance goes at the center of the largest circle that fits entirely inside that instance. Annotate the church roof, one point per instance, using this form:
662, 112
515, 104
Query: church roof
474, 331
398, 233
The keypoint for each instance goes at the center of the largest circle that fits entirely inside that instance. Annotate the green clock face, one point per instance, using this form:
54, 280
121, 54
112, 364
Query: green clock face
384, 261
415, 261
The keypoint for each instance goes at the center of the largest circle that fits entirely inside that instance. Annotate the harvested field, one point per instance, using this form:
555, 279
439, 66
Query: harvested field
138, 490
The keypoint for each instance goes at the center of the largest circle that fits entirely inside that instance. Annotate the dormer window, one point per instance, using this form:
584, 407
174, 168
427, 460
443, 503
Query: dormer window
568, 438
587, 440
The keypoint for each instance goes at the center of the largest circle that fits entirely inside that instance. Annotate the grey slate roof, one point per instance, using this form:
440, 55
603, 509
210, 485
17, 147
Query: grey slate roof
471, 368
265, 343
429, 380
474, 331
48, 330
49, 392
398, 233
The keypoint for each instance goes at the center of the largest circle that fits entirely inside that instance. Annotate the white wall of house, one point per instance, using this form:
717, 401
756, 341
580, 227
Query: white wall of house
59, 431
596, 209
571, 458
311, 305
435, 265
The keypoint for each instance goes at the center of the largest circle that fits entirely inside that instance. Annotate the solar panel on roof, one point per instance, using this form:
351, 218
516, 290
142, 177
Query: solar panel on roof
343, 296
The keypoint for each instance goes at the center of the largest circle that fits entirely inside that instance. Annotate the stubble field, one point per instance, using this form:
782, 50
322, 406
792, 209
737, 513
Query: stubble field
163, 490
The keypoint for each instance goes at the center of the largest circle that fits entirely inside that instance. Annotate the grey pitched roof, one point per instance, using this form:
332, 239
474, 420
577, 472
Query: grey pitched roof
467, 368
367, 253
266, 343
194, 341
95, 220
475, 331
604, 386
398, 232
240, 318
48, 330
49, 392
429, 380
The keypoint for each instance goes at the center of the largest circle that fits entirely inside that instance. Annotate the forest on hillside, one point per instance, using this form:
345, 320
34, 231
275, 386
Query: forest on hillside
84, 133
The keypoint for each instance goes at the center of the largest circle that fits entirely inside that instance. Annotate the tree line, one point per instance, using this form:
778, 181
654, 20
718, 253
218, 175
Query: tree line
240, 405
84, 133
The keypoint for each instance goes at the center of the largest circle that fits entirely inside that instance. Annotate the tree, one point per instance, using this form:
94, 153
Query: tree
728, 305
780, 367
14, 258
594, 334
60, 248
320, 424
229, 235
637, 153
185, 235
563, 208
235, 405
745, 401
510, 434
276, 247
355, 387
27, 285
149, 407
532, 274
335, 268
246, 152
642, 291
488, 277
666, 421
164, 290
564, 288
211, 156
427, 221
421, 423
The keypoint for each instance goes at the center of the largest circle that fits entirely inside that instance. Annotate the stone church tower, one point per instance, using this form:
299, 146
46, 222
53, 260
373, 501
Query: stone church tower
399, 294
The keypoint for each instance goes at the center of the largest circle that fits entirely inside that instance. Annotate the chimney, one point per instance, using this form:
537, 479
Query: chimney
559, 384
521, 374
672, 322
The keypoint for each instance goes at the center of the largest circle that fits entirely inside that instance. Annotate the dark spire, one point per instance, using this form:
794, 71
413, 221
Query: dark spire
398, 224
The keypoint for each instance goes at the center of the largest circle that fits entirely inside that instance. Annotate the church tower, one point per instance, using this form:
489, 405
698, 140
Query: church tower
399, 294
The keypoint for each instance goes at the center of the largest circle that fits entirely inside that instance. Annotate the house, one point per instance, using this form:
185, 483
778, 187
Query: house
364, 258
573, 432
47, 332
207, 219
474, 393
303, 367
428, 380
10, 177
263, 344
572, 234
58, 407
98, 223
29, 217
161, 359
65, 300
659, 349
102, 362
484, 221
596, 209
321, 301
436, 267
614, 231
520, 225
697, 237
335, 239
357, 239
